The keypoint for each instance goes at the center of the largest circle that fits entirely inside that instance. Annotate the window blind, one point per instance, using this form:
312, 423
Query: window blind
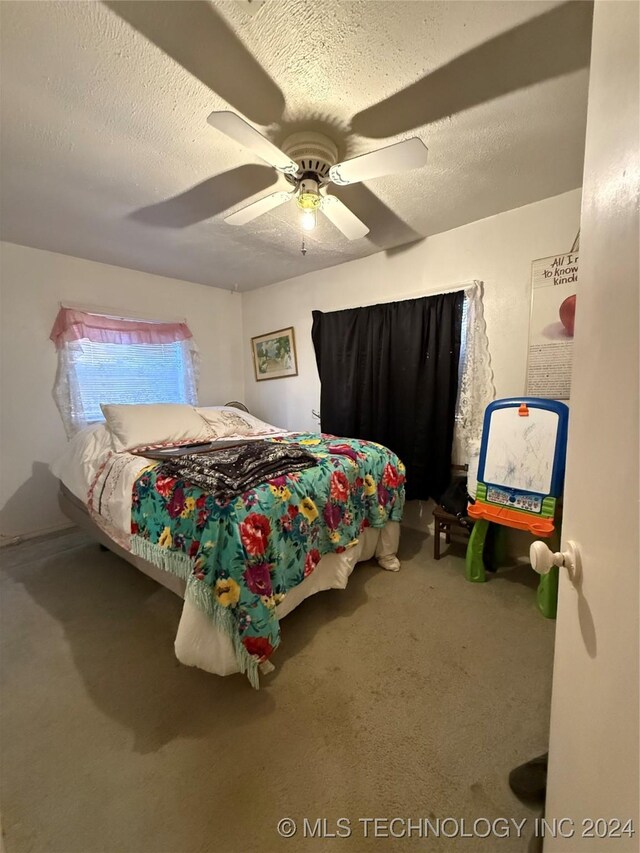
127, 373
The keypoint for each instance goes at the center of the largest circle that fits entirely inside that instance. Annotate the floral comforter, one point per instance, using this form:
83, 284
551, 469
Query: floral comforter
241, 557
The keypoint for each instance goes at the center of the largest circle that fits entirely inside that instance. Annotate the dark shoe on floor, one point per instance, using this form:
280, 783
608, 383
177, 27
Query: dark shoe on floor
529, 781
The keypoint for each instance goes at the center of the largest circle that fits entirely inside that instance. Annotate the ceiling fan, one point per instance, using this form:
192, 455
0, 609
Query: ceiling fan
197, 36
308, 162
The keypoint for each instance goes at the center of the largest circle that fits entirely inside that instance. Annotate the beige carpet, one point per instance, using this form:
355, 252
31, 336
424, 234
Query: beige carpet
407, 695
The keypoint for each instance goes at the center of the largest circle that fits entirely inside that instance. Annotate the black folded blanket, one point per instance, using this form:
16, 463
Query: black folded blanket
230, 471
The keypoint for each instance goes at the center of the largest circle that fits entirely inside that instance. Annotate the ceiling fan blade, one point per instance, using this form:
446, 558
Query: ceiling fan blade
344, 220
386, 228
237, 128
399, 157
257, 208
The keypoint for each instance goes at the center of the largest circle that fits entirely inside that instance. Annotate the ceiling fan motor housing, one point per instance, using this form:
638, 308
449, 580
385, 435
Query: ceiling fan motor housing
314, 153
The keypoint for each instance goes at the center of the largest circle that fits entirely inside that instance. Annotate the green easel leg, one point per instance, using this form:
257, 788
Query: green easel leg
547, 594
474, 564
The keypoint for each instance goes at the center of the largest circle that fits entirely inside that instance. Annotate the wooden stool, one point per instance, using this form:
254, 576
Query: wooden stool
443, 522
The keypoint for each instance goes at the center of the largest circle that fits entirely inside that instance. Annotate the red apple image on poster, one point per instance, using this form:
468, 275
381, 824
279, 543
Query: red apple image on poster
568, 314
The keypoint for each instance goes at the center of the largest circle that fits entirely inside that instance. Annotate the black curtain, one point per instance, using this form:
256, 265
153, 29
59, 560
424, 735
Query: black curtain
389, 373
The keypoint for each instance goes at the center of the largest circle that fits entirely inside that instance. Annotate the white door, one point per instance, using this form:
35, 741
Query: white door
594, 757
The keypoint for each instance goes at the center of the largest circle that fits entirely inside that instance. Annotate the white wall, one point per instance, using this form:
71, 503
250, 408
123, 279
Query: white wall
594, 759
33, 283
497, 250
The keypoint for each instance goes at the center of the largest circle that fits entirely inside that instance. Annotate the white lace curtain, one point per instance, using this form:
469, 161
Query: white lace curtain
475, 386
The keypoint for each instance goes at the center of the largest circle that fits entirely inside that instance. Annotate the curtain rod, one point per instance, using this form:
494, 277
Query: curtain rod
466, 285
115, 314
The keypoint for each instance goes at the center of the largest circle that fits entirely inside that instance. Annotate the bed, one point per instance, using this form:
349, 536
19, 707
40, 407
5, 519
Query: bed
241, 562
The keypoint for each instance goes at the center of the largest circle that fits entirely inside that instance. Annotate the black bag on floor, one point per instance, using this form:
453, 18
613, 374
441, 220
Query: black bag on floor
455, 500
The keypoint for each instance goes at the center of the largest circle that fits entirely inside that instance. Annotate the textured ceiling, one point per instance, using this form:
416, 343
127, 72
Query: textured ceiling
107, 155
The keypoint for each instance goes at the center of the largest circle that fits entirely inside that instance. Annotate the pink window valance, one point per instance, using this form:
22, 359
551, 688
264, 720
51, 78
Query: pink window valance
72, 325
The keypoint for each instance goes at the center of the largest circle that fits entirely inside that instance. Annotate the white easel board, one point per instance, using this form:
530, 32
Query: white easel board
521, 451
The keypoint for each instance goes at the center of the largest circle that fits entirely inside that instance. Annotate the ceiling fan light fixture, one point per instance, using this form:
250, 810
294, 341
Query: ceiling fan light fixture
309, 197
309, 201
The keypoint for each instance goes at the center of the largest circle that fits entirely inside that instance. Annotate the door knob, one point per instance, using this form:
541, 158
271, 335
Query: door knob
543, 559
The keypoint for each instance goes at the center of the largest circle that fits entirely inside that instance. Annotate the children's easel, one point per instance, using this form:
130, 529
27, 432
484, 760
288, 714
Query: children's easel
520, 479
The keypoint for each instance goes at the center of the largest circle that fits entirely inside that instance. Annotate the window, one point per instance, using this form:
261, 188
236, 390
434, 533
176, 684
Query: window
104, 359
128, 373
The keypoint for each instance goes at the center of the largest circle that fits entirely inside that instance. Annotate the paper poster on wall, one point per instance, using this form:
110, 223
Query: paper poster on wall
554, 282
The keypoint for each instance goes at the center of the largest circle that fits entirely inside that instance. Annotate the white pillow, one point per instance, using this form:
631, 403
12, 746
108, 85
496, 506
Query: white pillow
154, 423
225, 420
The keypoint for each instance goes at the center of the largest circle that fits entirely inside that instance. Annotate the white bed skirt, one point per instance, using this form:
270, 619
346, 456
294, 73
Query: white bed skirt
200, 643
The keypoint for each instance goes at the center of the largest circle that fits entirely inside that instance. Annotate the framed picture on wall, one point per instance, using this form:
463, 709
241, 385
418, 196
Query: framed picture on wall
274, 355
